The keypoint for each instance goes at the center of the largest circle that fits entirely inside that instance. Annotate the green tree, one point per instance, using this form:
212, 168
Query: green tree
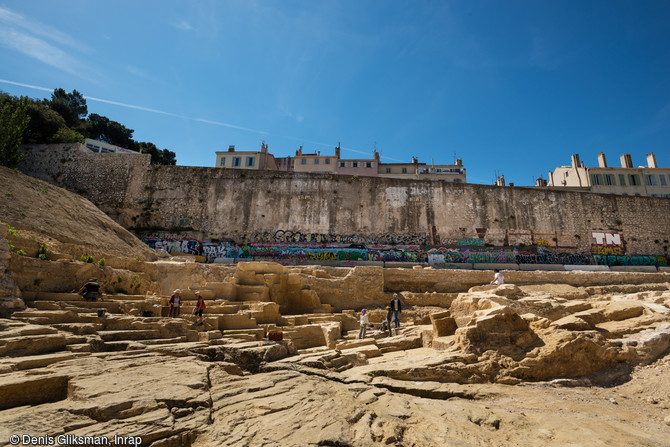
158, 157
13, 122
102, 128
71, 106
44, 123
67, 135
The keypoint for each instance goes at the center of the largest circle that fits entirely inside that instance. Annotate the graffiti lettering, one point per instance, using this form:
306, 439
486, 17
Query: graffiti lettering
603, 238
606, 250
472, 241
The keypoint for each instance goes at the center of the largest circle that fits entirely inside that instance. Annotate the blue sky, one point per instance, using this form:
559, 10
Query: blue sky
510, 87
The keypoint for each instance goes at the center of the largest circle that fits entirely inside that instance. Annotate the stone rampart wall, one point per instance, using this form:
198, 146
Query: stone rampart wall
272, 211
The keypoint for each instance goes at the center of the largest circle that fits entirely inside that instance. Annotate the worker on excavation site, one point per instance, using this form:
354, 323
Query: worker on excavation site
498, 278
364, 323
175, 303
199, 308
91, 290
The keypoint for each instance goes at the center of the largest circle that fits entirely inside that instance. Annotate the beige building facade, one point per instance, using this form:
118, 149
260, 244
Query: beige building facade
253, 160
626, 180
317, 163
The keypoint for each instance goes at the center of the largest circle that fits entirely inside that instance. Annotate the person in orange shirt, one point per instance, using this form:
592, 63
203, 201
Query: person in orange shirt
199, 308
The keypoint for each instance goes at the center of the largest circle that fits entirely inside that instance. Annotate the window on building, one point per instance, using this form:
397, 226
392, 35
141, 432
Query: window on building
404, 170
662, 179
237, 161
368, 164
343, 164
354, 164
457, 180
610, 180
303, 161
633, 179
388, 170
595, 179
223, 161
250, 161
327, 161
622, 179
316, 161
649, 178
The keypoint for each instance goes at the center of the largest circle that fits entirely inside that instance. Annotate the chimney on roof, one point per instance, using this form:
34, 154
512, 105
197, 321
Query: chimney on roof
500, 181
376, 155
601, 160
299, 151
651, 160
337, 150
626, 161
540, 182
415, 160
264, 148
459, 162
231, 148
575, 161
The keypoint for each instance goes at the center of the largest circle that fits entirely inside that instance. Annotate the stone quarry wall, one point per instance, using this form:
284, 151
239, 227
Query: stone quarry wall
225, 212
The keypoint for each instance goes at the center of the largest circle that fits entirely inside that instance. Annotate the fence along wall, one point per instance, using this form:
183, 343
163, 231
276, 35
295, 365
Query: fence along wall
291, 211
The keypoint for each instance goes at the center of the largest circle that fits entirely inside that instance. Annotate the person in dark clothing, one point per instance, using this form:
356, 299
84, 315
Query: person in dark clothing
396, 308
386, 324
91, 290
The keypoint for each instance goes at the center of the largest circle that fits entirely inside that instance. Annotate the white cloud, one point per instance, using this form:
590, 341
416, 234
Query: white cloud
39, 49
41, 42
183, 25
36, 28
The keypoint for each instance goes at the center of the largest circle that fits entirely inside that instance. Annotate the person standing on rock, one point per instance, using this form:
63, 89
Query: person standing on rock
175, 304
386, 325
91, 290
396, 308
199, 308
364, 323
498, 278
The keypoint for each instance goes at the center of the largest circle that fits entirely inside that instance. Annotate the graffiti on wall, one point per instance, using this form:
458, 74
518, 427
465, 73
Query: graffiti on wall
301, 248
188, 246
630, 260
297, 236
471, 241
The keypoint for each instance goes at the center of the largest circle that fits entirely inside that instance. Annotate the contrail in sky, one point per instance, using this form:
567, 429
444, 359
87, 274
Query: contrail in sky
175, 115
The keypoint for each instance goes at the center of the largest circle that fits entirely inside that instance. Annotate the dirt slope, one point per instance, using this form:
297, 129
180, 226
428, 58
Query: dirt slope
69, 224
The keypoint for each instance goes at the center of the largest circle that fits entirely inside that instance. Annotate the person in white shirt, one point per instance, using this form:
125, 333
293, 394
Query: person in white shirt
498, 278
364, 323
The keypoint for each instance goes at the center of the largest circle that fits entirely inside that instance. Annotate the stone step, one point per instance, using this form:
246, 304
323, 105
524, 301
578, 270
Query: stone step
80, 347
54, 316
77, 306
256, 334
355, 343
80, 328
212, 308
243, 337
337, 362
236, 321
126, 335
37, 344
34, 361
164, 341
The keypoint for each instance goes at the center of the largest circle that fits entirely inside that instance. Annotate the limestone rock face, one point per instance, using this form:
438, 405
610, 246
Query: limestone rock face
9, 293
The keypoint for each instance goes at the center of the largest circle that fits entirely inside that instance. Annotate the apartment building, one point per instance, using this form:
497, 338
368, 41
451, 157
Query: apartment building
317, 163
647, 180
422, 171
255, 160
314, 163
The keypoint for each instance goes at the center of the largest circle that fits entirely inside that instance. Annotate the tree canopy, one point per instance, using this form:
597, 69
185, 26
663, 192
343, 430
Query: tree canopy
64, 118
13, 123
